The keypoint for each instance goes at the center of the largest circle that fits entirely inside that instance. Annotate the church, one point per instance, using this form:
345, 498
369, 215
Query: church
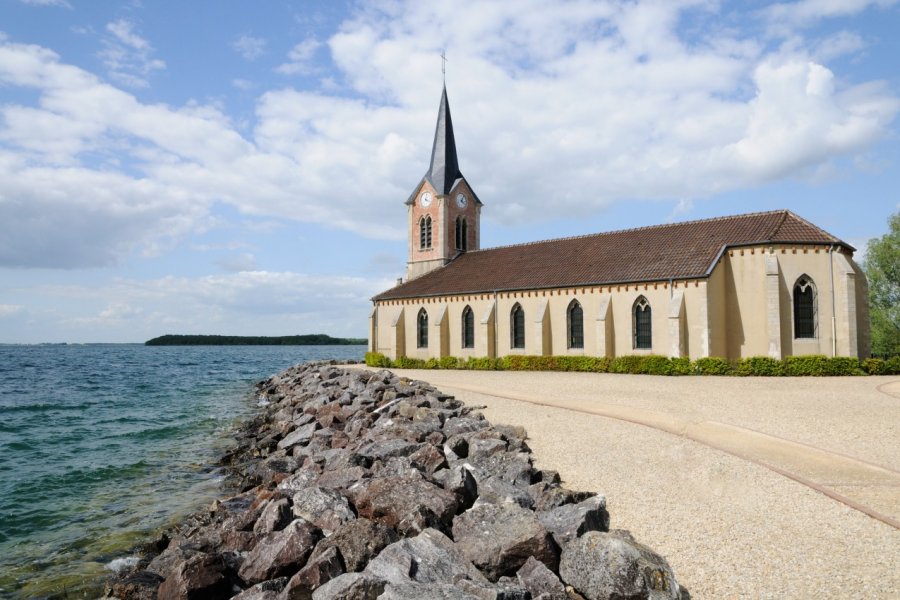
761, 284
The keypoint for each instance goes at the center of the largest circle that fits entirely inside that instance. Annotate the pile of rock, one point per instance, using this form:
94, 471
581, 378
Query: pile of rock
363, 485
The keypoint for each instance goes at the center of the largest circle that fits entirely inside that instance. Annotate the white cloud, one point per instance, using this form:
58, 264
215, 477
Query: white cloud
127, 56
299, 58
62, 3
249, 47
238, 263
7, 310
559, 110
808, 11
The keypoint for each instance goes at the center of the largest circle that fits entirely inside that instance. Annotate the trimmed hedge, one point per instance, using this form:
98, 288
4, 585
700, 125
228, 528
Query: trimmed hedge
815, 365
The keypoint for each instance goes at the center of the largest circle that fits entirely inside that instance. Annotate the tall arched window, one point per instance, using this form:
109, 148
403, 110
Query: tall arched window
575, 325
468, 328
804, 308
462, 234
643, 333
422, 329
425, 232
517, 326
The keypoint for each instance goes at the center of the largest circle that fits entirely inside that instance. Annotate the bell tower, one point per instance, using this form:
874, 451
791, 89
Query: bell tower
444, 212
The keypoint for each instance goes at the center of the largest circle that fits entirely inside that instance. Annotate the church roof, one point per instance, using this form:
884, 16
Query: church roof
443, 172
685, 250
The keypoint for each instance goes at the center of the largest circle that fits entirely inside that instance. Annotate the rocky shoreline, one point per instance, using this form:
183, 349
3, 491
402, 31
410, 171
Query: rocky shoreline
359, 484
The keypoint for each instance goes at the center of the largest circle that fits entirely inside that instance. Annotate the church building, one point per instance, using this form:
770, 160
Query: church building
760, 284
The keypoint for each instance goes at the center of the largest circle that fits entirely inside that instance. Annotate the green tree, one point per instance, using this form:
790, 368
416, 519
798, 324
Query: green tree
882, 267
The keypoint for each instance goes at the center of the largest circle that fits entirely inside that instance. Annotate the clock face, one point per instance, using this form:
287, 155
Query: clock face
461, 200
425, 200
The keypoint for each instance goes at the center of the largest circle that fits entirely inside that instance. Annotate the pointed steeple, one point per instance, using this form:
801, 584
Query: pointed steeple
444, 170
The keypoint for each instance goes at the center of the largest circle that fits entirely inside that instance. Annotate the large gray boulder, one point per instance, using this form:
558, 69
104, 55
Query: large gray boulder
430, 557
409, 504
324, 508
281, 553
498, 539
570, 521
358, 541
201, 576
608, 566
299, 436
429, 591
274, 517
350, 586
319, 569
541, 581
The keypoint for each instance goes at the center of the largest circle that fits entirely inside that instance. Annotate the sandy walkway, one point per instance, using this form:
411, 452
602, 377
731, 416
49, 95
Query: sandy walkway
730, 527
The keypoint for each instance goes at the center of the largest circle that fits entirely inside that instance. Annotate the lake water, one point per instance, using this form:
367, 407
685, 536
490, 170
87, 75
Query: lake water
102, 445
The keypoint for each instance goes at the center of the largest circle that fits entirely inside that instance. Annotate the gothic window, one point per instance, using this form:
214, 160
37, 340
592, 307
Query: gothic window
422, 329
517, 326
643, 334
575, 325
462, 234
804, 308
468, 328
425, 232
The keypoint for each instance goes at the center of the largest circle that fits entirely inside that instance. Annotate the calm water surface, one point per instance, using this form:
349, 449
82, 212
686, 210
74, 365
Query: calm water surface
101, 445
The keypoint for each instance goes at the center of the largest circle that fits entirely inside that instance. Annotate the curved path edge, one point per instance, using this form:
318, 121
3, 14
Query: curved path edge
813, 467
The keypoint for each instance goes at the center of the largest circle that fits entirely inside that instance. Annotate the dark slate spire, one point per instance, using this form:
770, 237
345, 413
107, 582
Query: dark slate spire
444, 169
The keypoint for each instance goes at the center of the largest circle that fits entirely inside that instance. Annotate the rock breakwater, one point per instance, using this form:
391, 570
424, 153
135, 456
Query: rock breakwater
360, 485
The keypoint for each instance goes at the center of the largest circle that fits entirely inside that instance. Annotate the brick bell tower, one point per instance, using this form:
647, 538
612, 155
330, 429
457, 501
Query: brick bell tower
444, 212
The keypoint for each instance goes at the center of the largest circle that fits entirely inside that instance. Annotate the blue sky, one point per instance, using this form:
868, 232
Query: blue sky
241, 167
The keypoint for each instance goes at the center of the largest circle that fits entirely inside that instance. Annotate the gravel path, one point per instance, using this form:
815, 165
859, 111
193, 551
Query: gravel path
730, 528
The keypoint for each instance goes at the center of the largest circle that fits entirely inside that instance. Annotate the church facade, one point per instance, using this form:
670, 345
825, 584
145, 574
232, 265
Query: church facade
760, 284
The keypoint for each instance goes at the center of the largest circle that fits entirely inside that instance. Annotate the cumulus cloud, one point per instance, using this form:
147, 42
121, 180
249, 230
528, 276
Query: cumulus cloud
299, 58
559, 110
62, 3
127, 56
249, 47
808, 11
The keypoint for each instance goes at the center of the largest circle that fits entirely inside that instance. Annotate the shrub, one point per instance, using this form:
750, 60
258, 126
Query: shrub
601, 364
657, 365
626, 364
759, 366
892, 366
405, 362
844, 365
449, 362
681, 366
483, 364
576, 363
377, 359
712, 365
874, 366
815, 365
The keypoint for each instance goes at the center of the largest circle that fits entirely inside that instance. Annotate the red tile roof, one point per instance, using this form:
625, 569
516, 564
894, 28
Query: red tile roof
675, 251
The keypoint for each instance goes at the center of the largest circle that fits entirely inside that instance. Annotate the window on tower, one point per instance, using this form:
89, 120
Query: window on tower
462, 234
425, 232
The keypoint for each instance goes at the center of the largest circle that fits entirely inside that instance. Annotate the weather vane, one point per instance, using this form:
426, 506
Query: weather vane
444, 65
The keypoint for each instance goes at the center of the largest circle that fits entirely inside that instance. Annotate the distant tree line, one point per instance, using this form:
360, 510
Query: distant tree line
314, 339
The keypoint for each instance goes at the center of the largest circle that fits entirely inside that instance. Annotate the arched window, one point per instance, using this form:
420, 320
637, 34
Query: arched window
517, 326
462, 234
422, 329
643, 334
468, 328
575, 325
425, 232
804, 308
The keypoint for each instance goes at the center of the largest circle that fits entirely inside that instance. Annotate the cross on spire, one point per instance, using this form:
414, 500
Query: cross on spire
444, 65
